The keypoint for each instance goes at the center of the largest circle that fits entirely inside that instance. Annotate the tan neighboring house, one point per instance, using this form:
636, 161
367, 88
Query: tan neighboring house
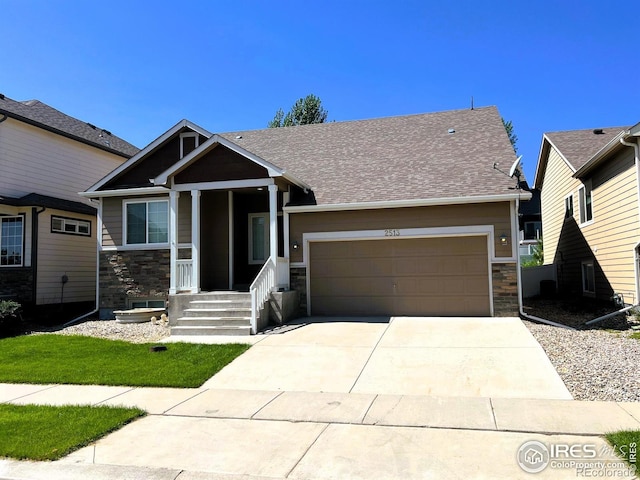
590, 211
391, 216
47, 231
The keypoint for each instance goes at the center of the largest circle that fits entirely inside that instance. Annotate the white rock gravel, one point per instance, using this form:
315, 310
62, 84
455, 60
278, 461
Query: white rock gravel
593, 364
145, 332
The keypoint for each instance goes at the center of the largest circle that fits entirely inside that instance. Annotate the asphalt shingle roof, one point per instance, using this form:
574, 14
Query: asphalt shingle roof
579, 146
40, 114
396, 158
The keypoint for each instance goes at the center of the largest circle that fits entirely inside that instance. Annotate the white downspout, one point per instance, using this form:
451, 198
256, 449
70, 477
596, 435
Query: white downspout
636, 149
519, 276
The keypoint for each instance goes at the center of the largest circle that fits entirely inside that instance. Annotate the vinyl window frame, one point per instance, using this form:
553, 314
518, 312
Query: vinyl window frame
588, 276
4, 218
266, 240
568, 206
125, 226
144, 303
585, 201
68, 221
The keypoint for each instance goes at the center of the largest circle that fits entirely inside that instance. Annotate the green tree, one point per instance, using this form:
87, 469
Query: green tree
305, 111
513, 138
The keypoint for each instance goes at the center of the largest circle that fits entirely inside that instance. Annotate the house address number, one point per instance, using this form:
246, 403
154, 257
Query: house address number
391, 232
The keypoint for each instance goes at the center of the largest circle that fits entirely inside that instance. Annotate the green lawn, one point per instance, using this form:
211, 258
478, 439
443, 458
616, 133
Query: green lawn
626, 442
87, 360
39, 432
635, 335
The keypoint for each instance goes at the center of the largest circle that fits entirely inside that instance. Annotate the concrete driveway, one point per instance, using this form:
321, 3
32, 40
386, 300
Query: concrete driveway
448, 357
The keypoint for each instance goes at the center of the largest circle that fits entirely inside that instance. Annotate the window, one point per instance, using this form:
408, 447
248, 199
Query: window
568, 206
11, 241
71, 226
586, 208
258, 238
147, 222
189, 141
532, 230
146, 304
588, 278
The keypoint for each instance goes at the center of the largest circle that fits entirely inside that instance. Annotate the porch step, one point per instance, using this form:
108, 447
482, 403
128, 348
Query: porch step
211, 330
217, 312
213, 313
213, 321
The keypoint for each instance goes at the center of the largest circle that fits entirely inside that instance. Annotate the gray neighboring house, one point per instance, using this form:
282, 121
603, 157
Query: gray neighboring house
391, 216
47, 231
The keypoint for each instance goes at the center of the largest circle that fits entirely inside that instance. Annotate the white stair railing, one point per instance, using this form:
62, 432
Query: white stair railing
282, 273
260, 290
185, 270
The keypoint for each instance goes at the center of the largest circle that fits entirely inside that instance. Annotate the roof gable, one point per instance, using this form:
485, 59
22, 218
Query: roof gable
41, 115
576, 147
156, 157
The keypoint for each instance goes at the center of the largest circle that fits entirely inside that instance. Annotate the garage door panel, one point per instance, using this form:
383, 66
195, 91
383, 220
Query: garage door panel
418, 276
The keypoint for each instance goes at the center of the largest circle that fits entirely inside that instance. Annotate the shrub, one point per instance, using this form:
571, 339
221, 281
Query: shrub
9, 309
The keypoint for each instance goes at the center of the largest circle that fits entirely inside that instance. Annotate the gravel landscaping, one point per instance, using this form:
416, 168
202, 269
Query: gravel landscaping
146, 332
598, 363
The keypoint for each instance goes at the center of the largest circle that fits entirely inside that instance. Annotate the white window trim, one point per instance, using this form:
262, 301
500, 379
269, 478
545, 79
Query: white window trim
146, 302
188, 135
71, 221
22, 219
266, 237
582, 204
573, 210
587, 293
145, 245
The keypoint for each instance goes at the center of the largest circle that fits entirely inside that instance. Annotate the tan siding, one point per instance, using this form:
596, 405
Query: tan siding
111, 222
496, 214
609, 239
557, 184
184, 218
34, 160
63, 254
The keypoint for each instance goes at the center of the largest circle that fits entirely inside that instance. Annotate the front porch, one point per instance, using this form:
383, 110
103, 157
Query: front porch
226, 244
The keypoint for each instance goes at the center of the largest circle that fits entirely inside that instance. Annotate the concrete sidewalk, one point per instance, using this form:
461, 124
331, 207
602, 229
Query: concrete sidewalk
211, 433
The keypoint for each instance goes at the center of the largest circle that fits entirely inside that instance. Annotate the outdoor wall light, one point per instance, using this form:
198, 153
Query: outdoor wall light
504, 240
295, 245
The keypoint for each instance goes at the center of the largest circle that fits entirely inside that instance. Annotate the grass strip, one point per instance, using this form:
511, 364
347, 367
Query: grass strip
43, 432
94, 361
626, 443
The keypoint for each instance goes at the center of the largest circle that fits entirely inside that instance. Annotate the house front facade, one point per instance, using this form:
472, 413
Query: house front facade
392, 216
47, 232
591, 211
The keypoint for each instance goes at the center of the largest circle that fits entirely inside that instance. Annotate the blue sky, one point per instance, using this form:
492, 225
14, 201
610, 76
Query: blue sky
138, 67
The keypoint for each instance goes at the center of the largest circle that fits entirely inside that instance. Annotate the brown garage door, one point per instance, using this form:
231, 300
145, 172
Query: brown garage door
417, 276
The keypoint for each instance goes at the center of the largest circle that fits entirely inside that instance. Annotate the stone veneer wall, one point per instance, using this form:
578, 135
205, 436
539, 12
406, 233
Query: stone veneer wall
299, 283
17, 283
132, 274
505, 289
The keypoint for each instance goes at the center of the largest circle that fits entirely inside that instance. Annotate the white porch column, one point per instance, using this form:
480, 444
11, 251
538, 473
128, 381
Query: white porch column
230, 197
173, 240
285, 225
273, 221
195, 241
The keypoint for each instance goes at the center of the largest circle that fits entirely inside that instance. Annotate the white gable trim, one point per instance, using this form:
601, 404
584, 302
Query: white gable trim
148, 149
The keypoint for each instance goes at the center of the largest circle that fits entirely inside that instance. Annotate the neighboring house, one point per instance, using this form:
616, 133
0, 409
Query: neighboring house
47, 231
589, 184
530, 223
391, 216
